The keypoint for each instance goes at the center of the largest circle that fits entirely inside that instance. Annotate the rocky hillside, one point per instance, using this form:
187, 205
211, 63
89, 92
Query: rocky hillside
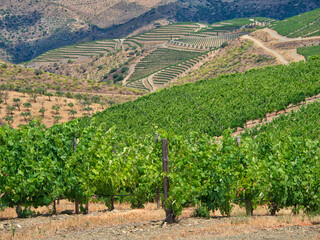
31, 27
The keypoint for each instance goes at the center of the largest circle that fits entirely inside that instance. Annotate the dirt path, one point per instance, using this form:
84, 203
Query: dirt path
271, 51
295, 55
233, 228
201, 25
281, 38
131, 70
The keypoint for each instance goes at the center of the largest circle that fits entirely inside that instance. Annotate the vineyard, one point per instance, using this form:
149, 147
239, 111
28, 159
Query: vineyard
78, 51
164, 33
309, 51
168, 74
239, 56
206, 42
210, 106
187, 147
269, 169
303, 25
159, 59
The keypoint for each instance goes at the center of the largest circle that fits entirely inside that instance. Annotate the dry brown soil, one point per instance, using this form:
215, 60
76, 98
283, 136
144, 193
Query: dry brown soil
43, 101
125, 223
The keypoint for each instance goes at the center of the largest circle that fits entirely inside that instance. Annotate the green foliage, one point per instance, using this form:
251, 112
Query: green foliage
113, 70
202, 211
268, 169
309, 51
37, 72
124, 69
57, 118
71, 105
160, 59
42, 111
210, 106
300, 25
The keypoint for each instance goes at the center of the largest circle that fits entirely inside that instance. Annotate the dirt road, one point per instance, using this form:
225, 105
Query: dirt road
272, 52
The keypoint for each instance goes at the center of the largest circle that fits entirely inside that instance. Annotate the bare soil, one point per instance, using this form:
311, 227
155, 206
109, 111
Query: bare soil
43, 101
125, 223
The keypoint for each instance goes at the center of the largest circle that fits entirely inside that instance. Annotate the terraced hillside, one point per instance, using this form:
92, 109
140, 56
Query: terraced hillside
26, 94
77, 52
240, 56
210, 106
159, 59
178, 50
168, 32
165, 76
30, 28
303, 25
206, 42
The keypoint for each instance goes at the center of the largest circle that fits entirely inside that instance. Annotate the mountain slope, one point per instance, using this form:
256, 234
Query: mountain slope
210, 106
303, 25
46, 25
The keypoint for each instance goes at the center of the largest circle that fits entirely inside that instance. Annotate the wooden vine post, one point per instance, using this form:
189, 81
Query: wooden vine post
76, 201
238, 141
158, 190
170, 217
249, 209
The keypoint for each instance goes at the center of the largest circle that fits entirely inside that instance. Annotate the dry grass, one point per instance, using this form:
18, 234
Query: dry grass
49, 114
238, 223
99, 218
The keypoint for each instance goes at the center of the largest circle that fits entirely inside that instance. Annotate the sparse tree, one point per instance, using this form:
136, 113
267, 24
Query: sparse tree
56, 108
8, 119
27, 105
6, 97
59, 93
72, 112
49, 95
57, 118
42, 111
10, 109
17, 102
34, 94
88, 109
95, 99
71, 105
25, 115
78, 96
102, 104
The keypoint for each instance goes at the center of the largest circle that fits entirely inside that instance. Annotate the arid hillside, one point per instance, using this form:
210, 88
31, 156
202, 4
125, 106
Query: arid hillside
30, 28
27, 94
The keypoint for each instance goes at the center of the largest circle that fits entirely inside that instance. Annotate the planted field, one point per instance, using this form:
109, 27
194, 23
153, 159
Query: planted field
77, 51
309, 51
114, 153
303, 25
137, 84
170, 73
206, 42
236, 24
167, 32
159, 59
210, 106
